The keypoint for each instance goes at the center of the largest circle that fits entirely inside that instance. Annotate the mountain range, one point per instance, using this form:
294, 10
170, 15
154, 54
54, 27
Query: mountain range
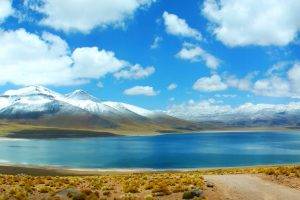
245, 115
38, 105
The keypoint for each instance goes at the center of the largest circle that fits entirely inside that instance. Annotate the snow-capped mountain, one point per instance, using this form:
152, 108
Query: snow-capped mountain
38, 99
33, 102
81, 95
38, 104
31, 91
247, 114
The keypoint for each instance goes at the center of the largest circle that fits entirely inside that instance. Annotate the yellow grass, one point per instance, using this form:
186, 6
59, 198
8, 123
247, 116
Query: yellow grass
122, 186
146, 185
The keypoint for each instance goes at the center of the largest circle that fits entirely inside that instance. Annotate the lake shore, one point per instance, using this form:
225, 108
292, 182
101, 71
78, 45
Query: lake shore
56, 133
37, 170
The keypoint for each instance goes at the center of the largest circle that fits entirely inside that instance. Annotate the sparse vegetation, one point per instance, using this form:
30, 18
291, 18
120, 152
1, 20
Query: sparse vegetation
118, 186
276, 170
171, 185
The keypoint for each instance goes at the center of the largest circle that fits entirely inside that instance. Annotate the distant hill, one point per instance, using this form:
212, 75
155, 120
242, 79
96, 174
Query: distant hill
245, 115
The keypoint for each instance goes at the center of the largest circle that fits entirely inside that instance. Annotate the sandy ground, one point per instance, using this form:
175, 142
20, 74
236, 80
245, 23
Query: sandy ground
248, 187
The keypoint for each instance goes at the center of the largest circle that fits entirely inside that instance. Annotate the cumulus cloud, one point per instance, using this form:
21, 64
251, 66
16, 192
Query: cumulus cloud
6, 9
134, 72
212, 110
194, 53
85, 15
243, 84
280, 80
210, 84
156, 42
90, 62
141, 90
172, 86
253, 22
30, 59
47, 60
179, 27
273, 86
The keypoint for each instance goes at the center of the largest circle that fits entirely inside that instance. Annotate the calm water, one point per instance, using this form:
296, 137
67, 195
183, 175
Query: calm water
158, 152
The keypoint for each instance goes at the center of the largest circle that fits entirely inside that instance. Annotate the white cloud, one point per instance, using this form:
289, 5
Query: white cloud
194, 53
280, 80
225, 95
85, 15
100, 84
29, 59
179, 27
273, 86
210, 84
278, 68
294, 78
135, 72
47, 60
156, 42
243, 84
90, 62
172, 86
253, 22
211, 110
141, 90
6, 9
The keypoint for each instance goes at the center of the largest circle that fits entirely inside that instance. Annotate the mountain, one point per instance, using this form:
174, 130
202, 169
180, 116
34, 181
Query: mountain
246, 115
38, 105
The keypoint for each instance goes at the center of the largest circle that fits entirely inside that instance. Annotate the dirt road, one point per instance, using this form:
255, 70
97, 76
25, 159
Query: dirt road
248, 187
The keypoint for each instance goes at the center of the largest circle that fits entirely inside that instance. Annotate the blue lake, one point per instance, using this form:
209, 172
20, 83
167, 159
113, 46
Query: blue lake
170, 151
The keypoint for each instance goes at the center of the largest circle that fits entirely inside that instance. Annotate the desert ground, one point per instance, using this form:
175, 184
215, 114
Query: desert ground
265, 182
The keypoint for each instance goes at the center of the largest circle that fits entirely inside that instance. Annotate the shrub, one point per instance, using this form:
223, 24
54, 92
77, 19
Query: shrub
131, 188
179, 188
161, 189
44, 189
106, 193
187, 195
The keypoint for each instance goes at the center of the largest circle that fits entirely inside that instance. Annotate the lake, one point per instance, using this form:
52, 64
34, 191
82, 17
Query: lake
169, 151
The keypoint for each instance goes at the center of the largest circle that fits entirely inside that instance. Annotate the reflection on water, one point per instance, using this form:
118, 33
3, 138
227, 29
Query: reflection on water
158, 152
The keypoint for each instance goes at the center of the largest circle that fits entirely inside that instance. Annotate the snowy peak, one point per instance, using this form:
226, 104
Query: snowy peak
42, 100
81, 95
32, 90
123, 107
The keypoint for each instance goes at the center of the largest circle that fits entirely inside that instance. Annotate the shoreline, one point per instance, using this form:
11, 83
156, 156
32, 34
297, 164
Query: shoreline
78, 134
39, 170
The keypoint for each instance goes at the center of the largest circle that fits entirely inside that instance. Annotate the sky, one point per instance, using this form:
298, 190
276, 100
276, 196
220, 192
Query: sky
157, 54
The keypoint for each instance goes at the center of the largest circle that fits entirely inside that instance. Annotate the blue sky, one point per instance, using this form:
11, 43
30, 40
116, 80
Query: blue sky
228, 51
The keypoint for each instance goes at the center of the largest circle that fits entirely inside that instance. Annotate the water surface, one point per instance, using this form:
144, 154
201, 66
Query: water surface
170, 151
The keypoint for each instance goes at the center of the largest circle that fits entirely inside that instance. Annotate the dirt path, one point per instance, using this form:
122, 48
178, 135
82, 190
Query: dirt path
248, 187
